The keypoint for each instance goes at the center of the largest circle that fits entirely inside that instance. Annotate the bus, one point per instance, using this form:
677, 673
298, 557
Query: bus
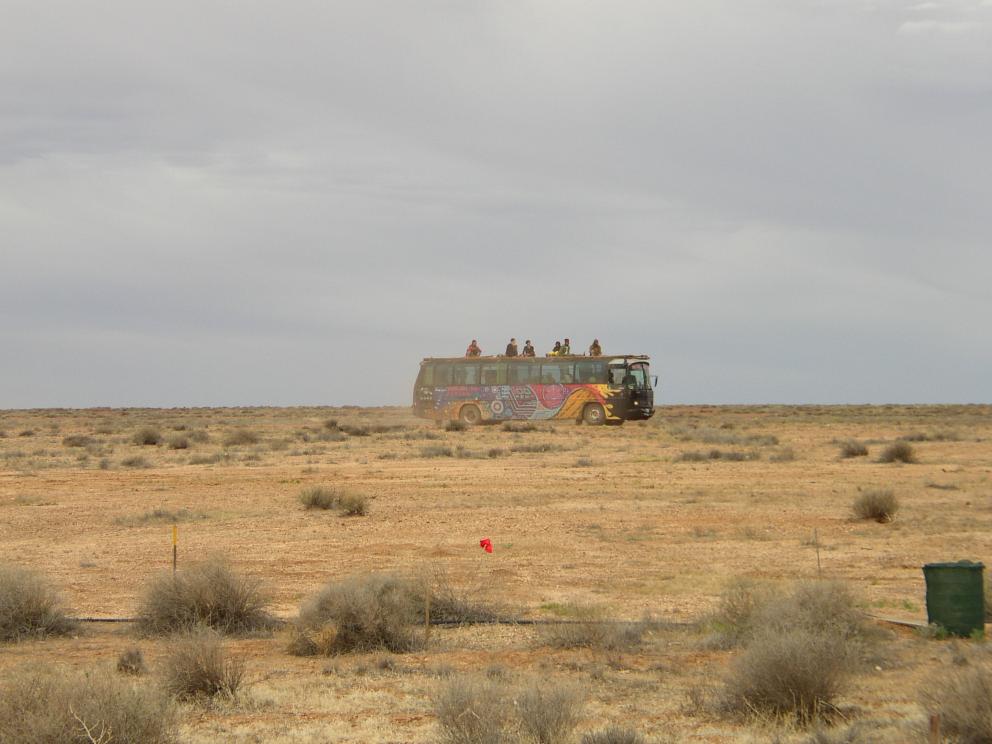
591, 390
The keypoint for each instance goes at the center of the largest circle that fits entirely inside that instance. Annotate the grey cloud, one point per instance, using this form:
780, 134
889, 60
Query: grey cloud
205, 203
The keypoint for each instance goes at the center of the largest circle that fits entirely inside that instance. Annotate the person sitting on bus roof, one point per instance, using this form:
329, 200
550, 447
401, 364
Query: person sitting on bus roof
473, 349
528, 348
557, 350
566, 348
511, 348
595, 349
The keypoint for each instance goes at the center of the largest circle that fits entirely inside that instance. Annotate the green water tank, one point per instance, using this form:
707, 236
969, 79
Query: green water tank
956, 596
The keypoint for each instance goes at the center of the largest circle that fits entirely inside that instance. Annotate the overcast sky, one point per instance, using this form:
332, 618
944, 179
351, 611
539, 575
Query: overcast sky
206, 203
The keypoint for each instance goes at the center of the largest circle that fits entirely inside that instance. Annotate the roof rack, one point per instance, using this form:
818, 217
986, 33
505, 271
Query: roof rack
501, 358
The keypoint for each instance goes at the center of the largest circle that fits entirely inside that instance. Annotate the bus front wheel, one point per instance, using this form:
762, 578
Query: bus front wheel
470, 415
593, 414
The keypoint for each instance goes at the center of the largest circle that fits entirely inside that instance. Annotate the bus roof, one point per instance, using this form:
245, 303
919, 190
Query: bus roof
518, 359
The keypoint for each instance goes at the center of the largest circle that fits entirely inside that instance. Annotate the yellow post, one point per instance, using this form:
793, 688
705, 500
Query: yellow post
175, 543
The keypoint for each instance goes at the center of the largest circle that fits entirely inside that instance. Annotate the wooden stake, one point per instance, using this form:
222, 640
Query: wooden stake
934, 737
175, 543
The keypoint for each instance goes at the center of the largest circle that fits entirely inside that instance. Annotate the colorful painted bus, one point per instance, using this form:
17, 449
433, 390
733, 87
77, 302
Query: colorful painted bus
594, 390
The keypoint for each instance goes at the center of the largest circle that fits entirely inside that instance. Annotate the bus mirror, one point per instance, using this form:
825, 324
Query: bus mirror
654, 380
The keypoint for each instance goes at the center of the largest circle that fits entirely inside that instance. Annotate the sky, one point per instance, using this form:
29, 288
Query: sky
261, 203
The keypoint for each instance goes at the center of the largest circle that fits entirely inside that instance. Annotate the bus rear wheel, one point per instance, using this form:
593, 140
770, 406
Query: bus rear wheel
593, 414
470, 415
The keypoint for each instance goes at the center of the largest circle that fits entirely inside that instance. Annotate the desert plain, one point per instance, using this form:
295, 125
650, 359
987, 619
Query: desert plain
652, 520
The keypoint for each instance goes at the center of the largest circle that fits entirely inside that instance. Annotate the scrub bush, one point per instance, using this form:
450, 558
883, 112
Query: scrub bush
853, 448
549, 713
362, 613
49, 706
614, 735
207, 593
241, 437
880, 505
963, 698
147, 436
131, 661
318, 497
198, 667
898, 452
29, 606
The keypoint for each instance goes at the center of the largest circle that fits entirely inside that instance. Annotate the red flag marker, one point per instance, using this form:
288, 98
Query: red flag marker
486, 544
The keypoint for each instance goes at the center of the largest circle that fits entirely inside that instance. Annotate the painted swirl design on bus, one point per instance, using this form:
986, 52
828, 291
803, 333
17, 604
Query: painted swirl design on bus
538, 402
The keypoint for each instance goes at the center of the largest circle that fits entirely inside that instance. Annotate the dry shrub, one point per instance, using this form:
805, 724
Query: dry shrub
199, 436
859, 732
614, 735
241, 437
77, 440
792, 673
331, 424
880, 505
802, 646
852, 448
353, 505
207, 593
198, 667
362, 613
717, 454
147, 436
549, 713
898, 452
29, 606
474, 710
136, 462
733, 621
318, 497
454, 604
963, 698
178, 442
131, 661
49, 706
590, 629
436, 450
455, 425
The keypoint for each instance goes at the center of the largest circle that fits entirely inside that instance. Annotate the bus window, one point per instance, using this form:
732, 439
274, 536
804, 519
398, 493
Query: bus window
639, 375
442, 375
427, 375
617, 375
493, 374
590, 372
524, 373
556, 372
465, 374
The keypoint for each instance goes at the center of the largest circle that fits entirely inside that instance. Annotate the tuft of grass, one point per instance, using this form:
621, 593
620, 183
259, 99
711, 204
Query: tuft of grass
26, 433
207, 459
353, 505
549, 713
455, 425
159, 515
614, 735
878, 504
931, 436
473, 710
29, 606
519, 428
77, 440
361, 613
131, 661
898, 452
178, 442
207, 593
318, 497
51, 706
436, 450
136, 461
785, 454
717, 454
331, 424
197, 667
241, 437
963, 698
147, 436
355, 431
853, 448
495, 452
535, 448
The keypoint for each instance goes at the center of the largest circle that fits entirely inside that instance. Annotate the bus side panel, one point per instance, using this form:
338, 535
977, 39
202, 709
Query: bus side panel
527, 402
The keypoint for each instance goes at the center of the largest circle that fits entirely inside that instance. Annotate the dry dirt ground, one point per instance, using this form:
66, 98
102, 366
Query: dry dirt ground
604, 517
